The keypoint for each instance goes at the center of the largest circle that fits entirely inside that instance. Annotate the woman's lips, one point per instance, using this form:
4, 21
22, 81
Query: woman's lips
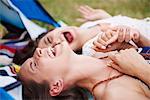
51, 52
68, 36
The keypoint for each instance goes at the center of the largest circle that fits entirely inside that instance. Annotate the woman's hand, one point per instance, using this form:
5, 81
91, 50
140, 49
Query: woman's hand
90, 14
128, 61
118, 33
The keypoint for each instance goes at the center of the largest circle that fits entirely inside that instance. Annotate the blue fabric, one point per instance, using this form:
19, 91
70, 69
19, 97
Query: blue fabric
8, 15
12, 86
4, 95
146, 53
145, 50
33, 10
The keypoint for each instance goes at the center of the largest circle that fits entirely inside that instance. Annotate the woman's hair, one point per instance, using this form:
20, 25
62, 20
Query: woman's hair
35, 91
22, 55
40, 91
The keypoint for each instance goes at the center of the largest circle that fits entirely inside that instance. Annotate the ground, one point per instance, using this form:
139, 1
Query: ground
66, 9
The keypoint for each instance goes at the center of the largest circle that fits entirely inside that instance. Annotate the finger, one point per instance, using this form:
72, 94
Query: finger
104, 37
100, 55
136, 36
113, 57
121, 35
101, 41
100, 50
109, 34
81, 20
89, 8
95, 48
99, 45
82, 11
127, 35
115, 66
114, 28
83, 8
113, 39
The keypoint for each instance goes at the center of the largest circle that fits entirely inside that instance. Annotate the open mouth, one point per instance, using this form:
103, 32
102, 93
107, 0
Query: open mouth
51, 52
68, 36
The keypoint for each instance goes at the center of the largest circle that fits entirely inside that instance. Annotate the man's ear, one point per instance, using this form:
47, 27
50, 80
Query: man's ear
56, 87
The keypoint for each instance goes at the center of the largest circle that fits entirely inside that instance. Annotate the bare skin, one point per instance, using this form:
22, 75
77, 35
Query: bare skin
77, 71
90, 14
123, 88
130, 62
78, 36
121, 34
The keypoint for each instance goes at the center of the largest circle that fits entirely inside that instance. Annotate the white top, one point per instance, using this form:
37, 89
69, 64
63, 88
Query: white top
142, 25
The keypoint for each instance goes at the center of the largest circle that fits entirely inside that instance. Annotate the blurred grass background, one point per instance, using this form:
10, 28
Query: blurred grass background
66, 10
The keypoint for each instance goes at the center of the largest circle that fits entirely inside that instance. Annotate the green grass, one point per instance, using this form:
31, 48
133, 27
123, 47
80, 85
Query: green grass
65, 10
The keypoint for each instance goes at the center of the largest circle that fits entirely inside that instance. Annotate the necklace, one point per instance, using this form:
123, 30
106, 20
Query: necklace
100, 82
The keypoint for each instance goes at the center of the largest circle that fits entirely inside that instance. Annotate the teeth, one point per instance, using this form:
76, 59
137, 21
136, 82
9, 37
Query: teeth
51, 50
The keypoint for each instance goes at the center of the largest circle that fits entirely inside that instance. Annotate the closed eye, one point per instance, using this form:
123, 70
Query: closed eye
49, 40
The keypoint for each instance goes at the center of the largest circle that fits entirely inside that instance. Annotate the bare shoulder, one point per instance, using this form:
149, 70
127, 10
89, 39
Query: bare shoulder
125, 88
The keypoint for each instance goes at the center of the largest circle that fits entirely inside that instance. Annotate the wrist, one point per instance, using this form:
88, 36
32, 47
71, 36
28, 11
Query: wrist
142, 70
143, 41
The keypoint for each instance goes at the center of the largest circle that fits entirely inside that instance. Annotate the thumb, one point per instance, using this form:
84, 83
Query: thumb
115, 66
112, 56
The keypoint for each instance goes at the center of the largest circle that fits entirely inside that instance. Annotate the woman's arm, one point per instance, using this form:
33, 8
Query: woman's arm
90, 14
121, 33
143, 41
130, 62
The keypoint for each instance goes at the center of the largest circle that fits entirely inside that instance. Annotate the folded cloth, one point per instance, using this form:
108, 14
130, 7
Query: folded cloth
12, 86
5, 60
145, 52
9, 70
9, 82
6, 54
4, 95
